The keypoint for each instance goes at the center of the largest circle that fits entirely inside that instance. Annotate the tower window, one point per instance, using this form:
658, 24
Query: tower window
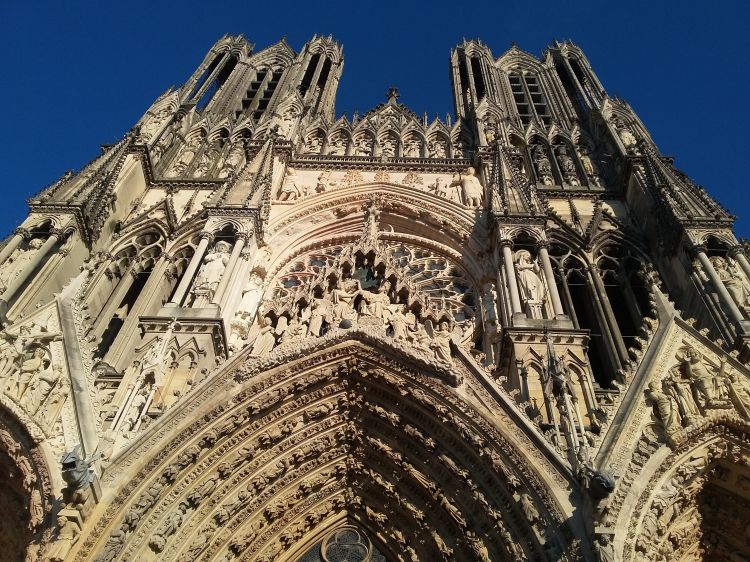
206, 74
529, 98
217, 82
476, 70
309, 73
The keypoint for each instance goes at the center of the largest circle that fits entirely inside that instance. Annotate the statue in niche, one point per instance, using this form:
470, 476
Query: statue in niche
17, 262
289, 190
287, 122
265, 341
136, 409
489, 303
184, 157
401, 320
734, 282
388, 147
533, 291
543, 165
204, 163
437, 149
664, 407
232, 160
412, 149
376, 304
472, 191
210, 273
490, 132
313, 144
589, 166
337, 146
626, 136
363, 146
604, 549
567, 165
153, 125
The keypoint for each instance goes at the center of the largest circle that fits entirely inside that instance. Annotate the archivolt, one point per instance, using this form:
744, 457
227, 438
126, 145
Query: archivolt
349, 433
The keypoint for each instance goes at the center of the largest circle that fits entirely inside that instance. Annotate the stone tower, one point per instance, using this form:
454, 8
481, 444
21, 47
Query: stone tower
253, 330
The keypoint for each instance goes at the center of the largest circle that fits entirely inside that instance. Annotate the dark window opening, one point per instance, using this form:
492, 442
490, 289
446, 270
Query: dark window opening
324, 74
309, 73
463, 74
121, 314
218, 82
476, 70
570, 88
206, 73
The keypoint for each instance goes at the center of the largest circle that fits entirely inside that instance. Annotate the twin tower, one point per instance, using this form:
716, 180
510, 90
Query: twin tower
255, 330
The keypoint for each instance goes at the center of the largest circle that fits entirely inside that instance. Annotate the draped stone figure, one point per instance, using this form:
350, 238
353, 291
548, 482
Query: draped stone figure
665, 408
17, 261
184, 157
252, 294
209, 275
734, 282
472, 191
265, 341
543, 165
232, 161
533, 291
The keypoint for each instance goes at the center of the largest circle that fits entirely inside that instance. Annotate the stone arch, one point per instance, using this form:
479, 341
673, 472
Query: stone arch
26, 491
694, 503
345, 431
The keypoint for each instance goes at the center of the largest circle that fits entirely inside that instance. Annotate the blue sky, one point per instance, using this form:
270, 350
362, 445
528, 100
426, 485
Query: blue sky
79, 74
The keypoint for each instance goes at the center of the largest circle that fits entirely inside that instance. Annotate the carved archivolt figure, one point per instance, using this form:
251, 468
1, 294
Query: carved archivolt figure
472, 191
734, 282
265, 341
210, 273
17, 261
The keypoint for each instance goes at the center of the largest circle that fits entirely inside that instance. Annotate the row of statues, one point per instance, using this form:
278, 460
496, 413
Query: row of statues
566, 164
388, 146
463, 188
17, 262
734, 281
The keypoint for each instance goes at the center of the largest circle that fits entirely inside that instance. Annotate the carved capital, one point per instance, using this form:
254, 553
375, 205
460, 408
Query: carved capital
24, 232
698, 249
207, 235
542, 244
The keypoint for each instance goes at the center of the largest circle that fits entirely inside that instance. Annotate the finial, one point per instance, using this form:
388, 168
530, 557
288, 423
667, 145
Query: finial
393, 94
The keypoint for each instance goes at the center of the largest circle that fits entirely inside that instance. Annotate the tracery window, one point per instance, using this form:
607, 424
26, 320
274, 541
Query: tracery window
345, 544
529, 98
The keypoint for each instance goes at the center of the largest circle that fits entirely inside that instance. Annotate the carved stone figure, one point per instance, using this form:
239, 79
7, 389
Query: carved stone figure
289, 189
337, 146
533, 291
664, 406
543, 165
154, 123
604, 549
265, 341
626, 136
184, 157
412, 148
705, 383
17, 261
363, 146
252, 294
567, 165
209, 275
232, 161
313, 144
437, 149
734, 282
472, 191
528, 508
589, 166
67, 535
682, 391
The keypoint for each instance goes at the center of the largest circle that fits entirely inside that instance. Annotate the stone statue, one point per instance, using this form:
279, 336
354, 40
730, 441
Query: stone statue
289, 190
313, 144
240, 330
204, 163
363, 146
324, 182
67, 535
704, 382
265, 341
734, 282
626, 136
184, 157
412, 149
589, 167
16, 263
337, 146
472, 191
543, 165
210, 273
233, 160
604, 549
533, 291
664, 407
567, 166
153, 124
252, 294
343, 299
287, 122
437, 149
42, 387
682, 391
489, 304
441, 341
401, 319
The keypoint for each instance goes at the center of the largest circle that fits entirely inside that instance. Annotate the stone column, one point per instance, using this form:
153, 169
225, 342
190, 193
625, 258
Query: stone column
609, 315
510, 273
187, 277
19, 236
549, 277
17, 283
226, 277
726, 298
736, 253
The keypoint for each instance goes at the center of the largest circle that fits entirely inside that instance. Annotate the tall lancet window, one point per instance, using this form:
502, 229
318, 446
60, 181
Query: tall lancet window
479, 85
217, 81
308, 76
529, 98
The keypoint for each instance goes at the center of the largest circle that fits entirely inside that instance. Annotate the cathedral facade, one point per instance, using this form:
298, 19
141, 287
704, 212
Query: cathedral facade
252, 330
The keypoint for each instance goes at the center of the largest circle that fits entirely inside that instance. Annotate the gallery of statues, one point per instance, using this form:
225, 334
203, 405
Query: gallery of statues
257, 330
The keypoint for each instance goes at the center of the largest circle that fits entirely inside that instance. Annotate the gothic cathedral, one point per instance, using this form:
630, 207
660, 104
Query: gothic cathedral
252, 330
